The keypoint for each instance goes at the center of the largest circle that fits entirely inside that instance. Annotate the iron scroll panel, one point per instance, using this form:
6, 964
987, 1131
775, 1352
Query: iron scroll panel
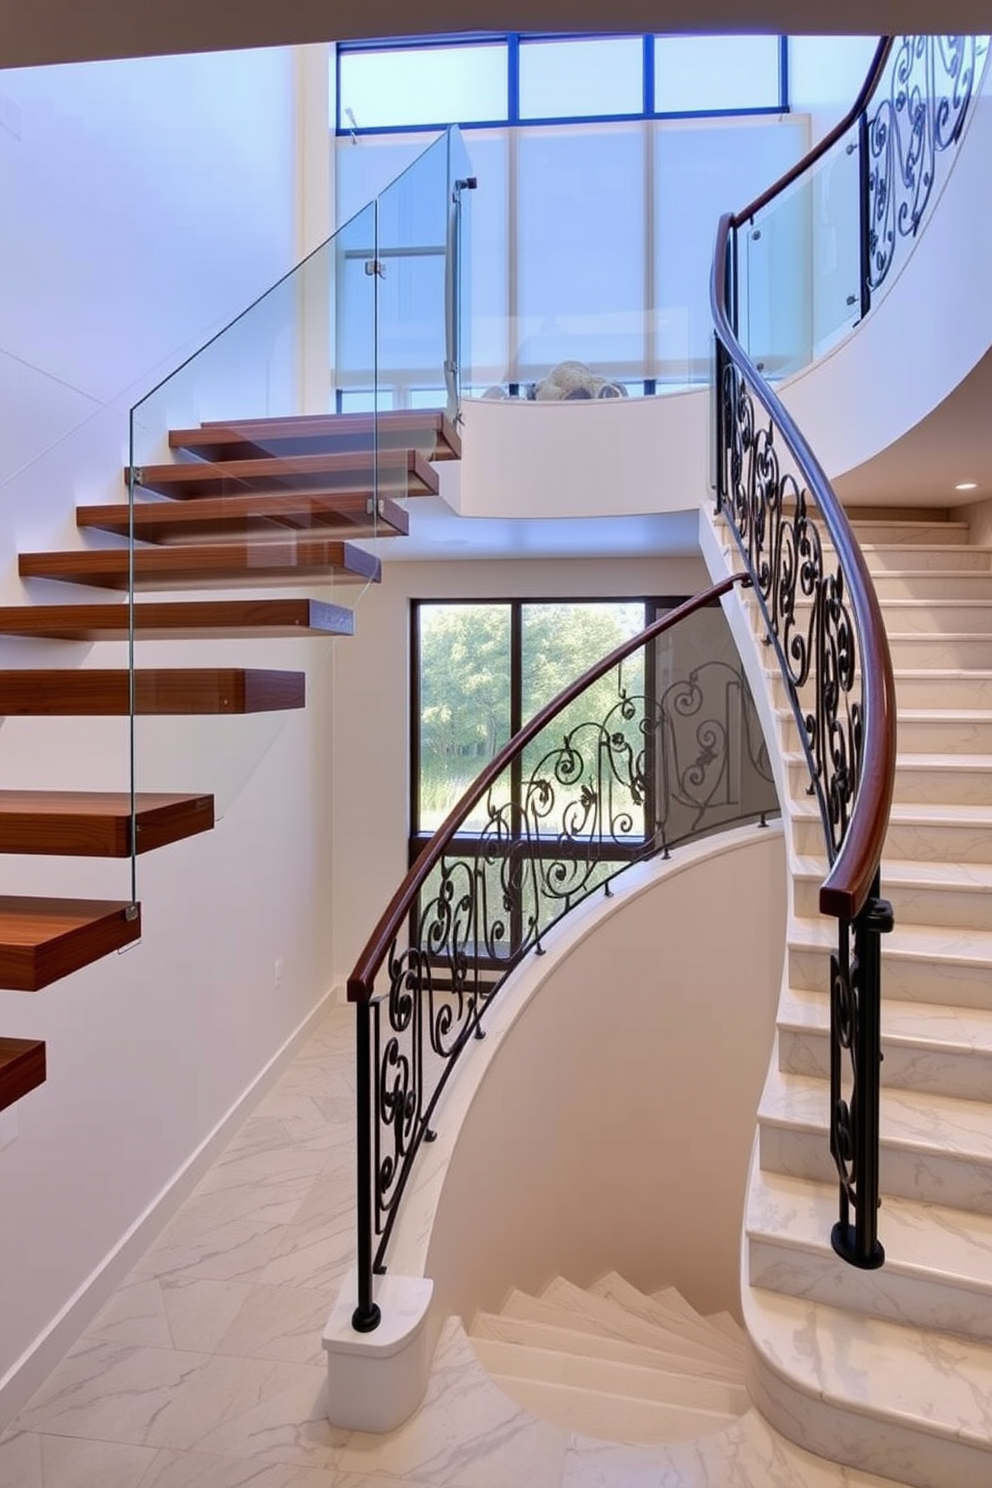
658, 768
914, 119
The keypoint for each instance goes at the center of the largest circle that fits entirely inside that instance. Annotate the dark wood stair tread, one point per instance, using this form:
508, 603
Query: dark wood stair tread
178, 619
42, 940
97, 824
427, 430
93, 692
275, 561
22, 1068
404, 472
260, 514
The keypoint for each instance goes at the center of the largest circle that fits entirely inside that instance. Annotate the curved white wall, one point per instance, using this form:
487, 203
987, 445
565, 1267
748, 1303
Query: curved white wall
613, 1126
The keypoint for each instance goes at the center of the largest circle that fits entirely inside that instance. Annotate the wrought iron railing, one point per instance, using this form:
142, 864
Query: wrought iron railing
811, 582
649, 748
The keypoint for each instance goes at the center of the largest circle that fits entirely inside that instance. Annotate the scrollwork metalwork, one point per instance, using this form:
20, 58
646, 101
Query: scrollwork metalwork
931, 85
802, 591
665, 761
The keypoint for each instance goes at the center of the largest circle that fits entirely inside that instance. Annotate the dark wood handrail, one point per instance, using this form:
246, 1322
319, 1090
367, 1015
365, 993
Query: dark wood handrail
885, 44
361, 981
849, 882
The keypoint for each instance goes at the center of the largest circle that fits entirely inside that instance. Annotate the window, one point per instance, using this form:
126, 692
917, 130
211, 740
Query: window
481, 670
512, 77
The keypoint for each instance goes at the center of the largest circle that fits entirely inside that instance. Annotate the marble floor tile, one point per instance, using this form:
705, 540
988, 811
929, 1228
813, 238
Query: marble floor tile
280, 1322
467, 1434
156, 1397
135, 1314
29, 1460
207, 1239
318, 1247
199, 1470
200, 1310
287, 1426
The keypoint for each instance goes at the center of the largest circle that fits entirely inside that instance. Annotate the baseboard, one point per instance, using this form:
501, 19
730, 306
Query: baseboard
31, 1370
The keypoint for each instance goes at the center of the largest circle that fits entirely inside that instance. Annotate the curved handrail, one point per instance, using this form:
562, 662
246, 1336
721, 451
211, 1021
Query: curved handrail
369, 963
848, 884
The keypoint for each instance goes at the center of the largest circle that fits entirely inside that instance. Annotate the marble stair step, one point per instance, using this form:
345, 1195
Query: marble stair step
924, 730
829, 1376
931, 1147
596, 1314
884, 557
942, 1050
950, 649
920, 963
933, 583
939, 834
634, 1382
930, 688
728, 1325
872, 531
504, 1329
613, 1417
953, 895
670, 1309
945, 616
934, 779
938, 1262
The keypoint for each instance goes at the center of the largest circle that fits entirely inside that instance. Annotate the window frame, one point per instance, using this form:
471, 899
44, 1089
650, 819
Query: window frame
654, 606
512, 41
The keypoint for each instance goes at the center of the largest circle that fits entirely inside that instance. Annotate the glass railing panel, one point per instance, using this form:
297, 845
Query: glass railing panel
412, 249
799, 264
248, 490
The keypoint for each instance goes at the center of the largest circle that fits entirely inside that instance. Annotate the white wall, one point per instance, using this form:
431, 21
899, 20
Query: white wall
140, 203
371, 692
594, 1142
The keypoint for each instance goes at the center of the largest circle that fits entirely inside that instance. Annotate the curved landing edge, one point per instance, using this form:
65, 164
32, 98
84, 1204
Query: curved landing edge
469, 1431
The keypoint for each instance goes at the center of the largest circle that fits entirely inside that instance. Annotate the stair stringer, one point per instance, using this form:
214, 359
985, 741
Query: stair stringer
420, 1246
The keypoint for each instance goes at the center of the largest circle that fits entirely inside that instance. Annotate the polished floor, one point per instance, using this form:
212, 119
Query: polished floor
205, 1369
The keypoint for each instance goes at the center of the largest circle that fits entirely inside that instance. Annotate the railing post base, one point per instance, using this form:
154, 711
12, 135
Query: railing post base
366, 1321
843, 1238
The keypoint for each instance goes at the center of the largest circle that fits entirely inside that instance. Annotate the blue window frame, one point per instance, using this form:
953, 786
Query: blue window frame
485, 79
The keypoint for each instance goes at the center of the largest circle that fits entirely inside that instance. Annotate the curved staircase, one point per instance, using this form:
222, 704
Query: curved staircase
614, 1362
251, 504
891, 1370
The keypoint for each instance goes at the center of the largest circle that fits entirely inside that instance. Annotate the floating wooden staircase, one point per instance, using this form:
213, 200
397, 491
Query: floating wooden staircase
250, 503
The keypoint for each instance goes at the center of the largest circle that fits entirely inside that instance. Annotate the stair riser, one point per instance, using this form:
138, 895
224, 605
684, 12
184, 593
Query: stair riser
970, 653
915, 618
908, 842
891, 1448
946, 785
937, 1176
951, 905
948, 1304
889, 557
967, 1076
910, 534
933, 735
904, 980
931, 693
965, 584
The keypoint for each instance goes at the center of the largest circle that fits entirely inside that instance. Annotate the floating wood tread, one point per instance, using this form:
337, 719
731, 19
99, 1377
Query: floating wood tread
97, 824
22, 1068
93, 692
42, 940
258, 515
275, 561
403, 471
427, 430
179, 619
